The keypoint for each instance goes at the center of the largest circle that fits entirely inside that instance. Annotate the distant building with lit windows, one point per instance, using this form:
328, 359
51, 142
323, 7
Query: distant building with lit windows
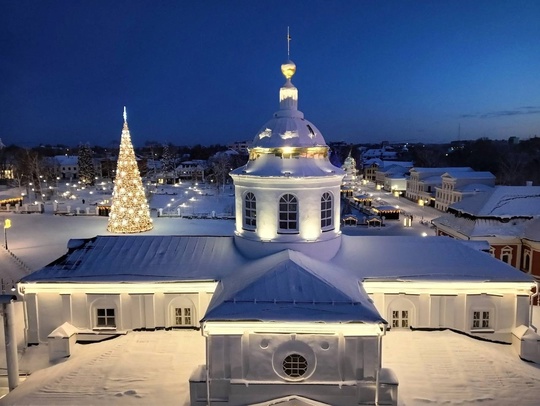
455, 186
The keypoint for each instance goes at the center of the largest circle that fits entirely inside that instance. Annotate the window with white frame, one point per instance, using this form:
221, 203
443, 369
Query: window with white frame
250, 211
183, 316
506, 255
327, 219
527, 261
400, 318
105, 318
492, 251
288, 214
481, 319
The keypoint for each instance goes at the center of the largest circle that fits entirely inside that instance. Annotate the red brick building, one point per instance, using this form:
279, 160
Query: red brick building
507, 217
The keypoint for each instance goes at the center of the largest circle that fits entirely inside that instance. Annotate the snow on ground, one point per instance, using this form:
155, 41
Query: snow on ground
143, 368
442, 367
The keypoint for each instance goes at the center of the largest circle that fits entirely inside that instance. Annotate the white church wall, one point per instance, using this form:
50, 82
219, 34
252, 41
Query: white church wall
135, 306
269, 191
498, 312
49, 304
259, 357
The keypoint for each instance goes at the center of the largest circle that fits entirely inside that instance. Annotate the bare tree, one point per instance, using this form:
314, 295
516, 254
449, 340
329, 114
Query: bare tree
221, 166
512, 168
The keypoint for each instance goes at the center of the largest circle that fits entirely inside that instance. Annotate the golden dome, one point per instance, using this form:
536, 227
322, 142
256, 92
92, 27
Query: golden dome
288, 69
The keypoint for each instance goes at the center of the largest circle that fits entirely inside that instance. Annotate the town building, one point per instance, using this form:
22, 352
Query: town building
508, 217
457, 185
68, 166
393, 178
422, 183
374, 165
242, 147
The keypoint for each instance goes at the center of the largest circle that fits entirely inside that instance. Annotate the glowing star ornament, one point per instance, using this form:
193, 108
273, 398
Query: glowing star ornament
129, 210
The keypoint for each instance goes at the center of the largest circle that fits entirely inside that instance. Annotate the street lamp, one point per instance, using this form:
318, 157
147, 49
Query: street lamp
7, 224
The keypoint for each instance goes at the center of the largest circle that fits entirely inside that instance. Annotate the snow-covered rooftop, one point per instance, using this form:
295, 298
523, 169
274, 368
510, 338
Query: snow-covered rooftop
468, 175
503, 202
289, 286
441, 170
269, 165
67, 159
483, 227
475, 187
175, 258
532, 231
397, 258
140, 258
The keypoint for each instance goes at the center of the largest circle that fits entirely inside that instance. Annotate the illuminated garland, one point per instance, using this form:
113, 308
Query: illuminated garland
129, 210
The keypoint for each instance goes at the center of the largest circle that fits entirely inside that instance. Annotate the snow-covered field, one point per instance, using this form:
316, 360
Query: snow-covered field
154, 367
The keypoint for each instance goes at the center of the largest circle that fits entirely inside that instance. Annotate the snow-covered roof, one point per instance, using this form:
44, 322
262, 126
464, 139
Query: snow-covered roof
441, 170
394, 169
288, 131
129, 258
468, 175
383, 164
474, 187
432, 180
66, 330
483, 227
67, 159
269, 165
288, 127
442, 259
289, 286
503, 202
121, 258
532, 231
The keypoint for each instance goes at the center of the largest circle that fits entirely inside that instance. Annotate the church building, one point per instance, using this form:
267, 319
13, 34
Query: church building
292, 311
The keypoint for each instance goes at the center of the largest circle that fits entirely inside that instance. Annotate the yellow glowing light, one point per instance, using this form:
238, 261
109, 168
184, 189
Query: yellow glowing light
129, 210
287, 150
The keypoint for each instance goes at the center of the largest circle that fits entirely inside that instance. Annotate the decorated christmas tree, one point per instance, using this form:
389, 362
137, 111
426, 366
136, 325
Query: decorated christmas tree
129, 209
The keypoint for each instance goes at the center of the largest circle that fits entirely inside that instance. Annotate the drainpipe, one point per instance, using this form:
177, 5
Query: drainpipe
379, 364
531, 304
12, 359
205, 335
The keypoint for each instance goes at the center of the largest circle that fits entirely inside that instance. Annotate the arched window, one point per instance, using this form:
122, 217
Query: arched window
506, 255
327, 219
104, 311
250, 211
288, 214
401, 313
182, 313
527, 261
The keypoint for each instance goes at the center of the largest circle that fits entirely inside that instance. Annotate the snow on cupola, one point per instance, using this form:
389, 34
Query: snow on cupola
287, 196
288, 128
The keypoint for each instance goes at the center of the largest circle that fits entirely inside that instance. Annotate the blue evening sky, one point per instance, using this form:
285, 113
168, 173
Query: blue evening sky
209, 71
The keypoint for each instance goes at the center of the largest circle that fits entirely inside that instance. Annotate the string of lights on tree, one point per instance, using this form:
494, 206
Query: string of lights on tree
129, 210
